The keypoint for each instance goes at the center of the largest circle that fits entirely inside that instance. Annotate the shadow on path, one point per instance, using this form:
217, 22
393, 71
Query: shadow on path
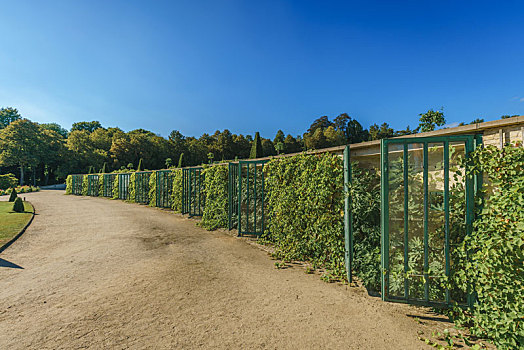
5, 263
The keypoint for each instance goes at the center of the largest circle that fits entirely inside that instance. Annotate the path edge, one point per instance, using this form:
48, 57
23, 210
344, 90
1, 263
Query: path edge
12, 240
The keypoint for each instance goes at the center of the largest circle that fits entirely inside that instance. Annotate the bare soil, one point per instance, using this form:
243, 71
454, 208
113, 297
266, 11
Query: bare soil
96, 273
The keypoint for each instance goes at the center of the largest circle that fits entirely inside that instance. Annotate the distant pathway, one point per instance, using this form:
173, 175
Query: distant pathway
97, 273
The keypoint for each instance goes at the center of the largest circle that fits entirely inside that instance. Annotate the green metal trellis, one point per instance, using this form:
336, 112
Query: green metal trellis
107, 185
193, 191
250, 193
164, 188
427, 204
77, 182
93, 185
233, 195
123, 186
142, 187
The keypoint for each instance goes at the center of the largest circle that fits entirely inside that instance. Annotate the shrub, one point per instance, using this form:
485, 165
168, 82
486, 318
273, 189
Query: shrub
496, 250
13, 195
101, 184
216, 197
176, 193
7, 181
18, 205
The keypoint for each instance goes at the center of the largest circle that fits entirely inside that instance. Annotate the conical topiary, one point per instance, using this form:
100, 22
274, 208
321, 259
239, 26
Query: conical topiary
104, 168
13, 196
181, 160
18, 206
140, 165
256, 148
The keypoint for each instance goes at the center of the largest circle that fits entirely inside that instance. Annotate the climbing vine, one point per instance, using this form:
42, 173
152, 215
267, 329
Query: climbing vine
85, 185
176, 193
495, 268
152, 189
69, 184
306, 201
216, 197
132, 188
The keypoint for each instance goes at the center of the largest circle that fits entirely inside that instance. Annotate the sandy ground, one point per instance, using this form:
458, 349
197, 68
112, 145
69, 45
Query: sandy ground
103, 274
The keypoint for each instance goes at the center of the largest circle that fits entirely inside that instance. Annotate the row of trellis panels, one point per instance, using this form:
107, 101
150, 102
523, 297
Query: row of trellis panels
166, 188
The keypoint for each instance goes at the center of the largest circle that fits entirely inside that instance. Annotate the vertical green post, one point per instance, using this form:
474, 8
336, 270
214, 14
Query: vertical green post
239, 189
426, 215
446, 213
255, 199
406, 224
348, 232
384, 218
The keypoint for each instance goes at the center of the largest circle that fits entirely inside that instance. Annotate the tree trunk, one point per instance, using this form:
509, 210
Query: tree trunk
21, 175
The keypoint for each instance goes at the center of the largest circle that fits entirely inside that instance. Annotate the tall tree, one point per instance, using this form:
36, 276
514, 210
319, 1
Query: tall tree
430, 120
20, 145
382, 132
88, 126
56, 128
256, 147
8, 115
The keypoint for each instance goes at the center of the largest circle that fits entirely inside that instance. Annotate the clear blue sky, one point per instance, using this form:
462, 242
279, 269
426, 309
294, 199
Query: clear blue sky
199, 66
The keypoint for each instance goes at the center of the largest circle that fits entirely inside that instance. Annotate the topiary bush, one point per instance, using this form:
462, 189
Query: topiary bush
176, 193
215, 213
13, 196
495, 268
18, 205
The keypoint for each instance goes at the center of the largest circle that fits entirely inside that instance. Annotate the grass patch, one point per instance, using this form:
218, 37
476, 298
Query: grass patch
10, 222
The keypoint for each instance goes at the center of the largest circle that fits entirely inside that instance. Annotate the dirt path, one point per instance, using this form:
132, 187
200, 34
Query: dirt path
99, 274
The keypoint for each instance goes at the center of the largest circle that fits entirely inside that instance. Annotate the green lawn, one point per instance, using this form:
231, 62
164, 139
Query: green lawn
10, 222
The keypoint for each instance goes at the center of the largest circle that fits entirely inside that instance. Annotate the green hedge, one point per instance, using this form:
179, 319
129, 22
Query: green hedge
495, 269
306, 201
69, 184
152, 189
176, 194
132, 188
216, 197
115, 188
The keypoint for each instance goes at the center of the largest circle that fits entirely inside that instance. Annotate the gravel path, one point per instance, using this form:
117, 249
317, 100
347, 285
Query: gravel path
97, 273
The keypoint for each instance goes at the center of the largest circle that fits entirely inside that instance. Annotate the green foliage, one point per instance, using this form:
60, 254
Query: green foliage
176, 193
140, 165
100, 185
305, 199
365, 206
7, 181
115, 188
256, 147
132, 188
169, 163
87, 126
430, 120
152, 189
13, 195
18, 205
104, 168
8, 115
69, 184
494, 269
85, 185
181, 160
216, 191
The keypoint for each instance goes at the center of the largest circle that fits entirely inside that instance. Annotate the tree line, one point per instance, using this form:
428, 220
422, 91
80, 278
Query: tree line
45, 153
